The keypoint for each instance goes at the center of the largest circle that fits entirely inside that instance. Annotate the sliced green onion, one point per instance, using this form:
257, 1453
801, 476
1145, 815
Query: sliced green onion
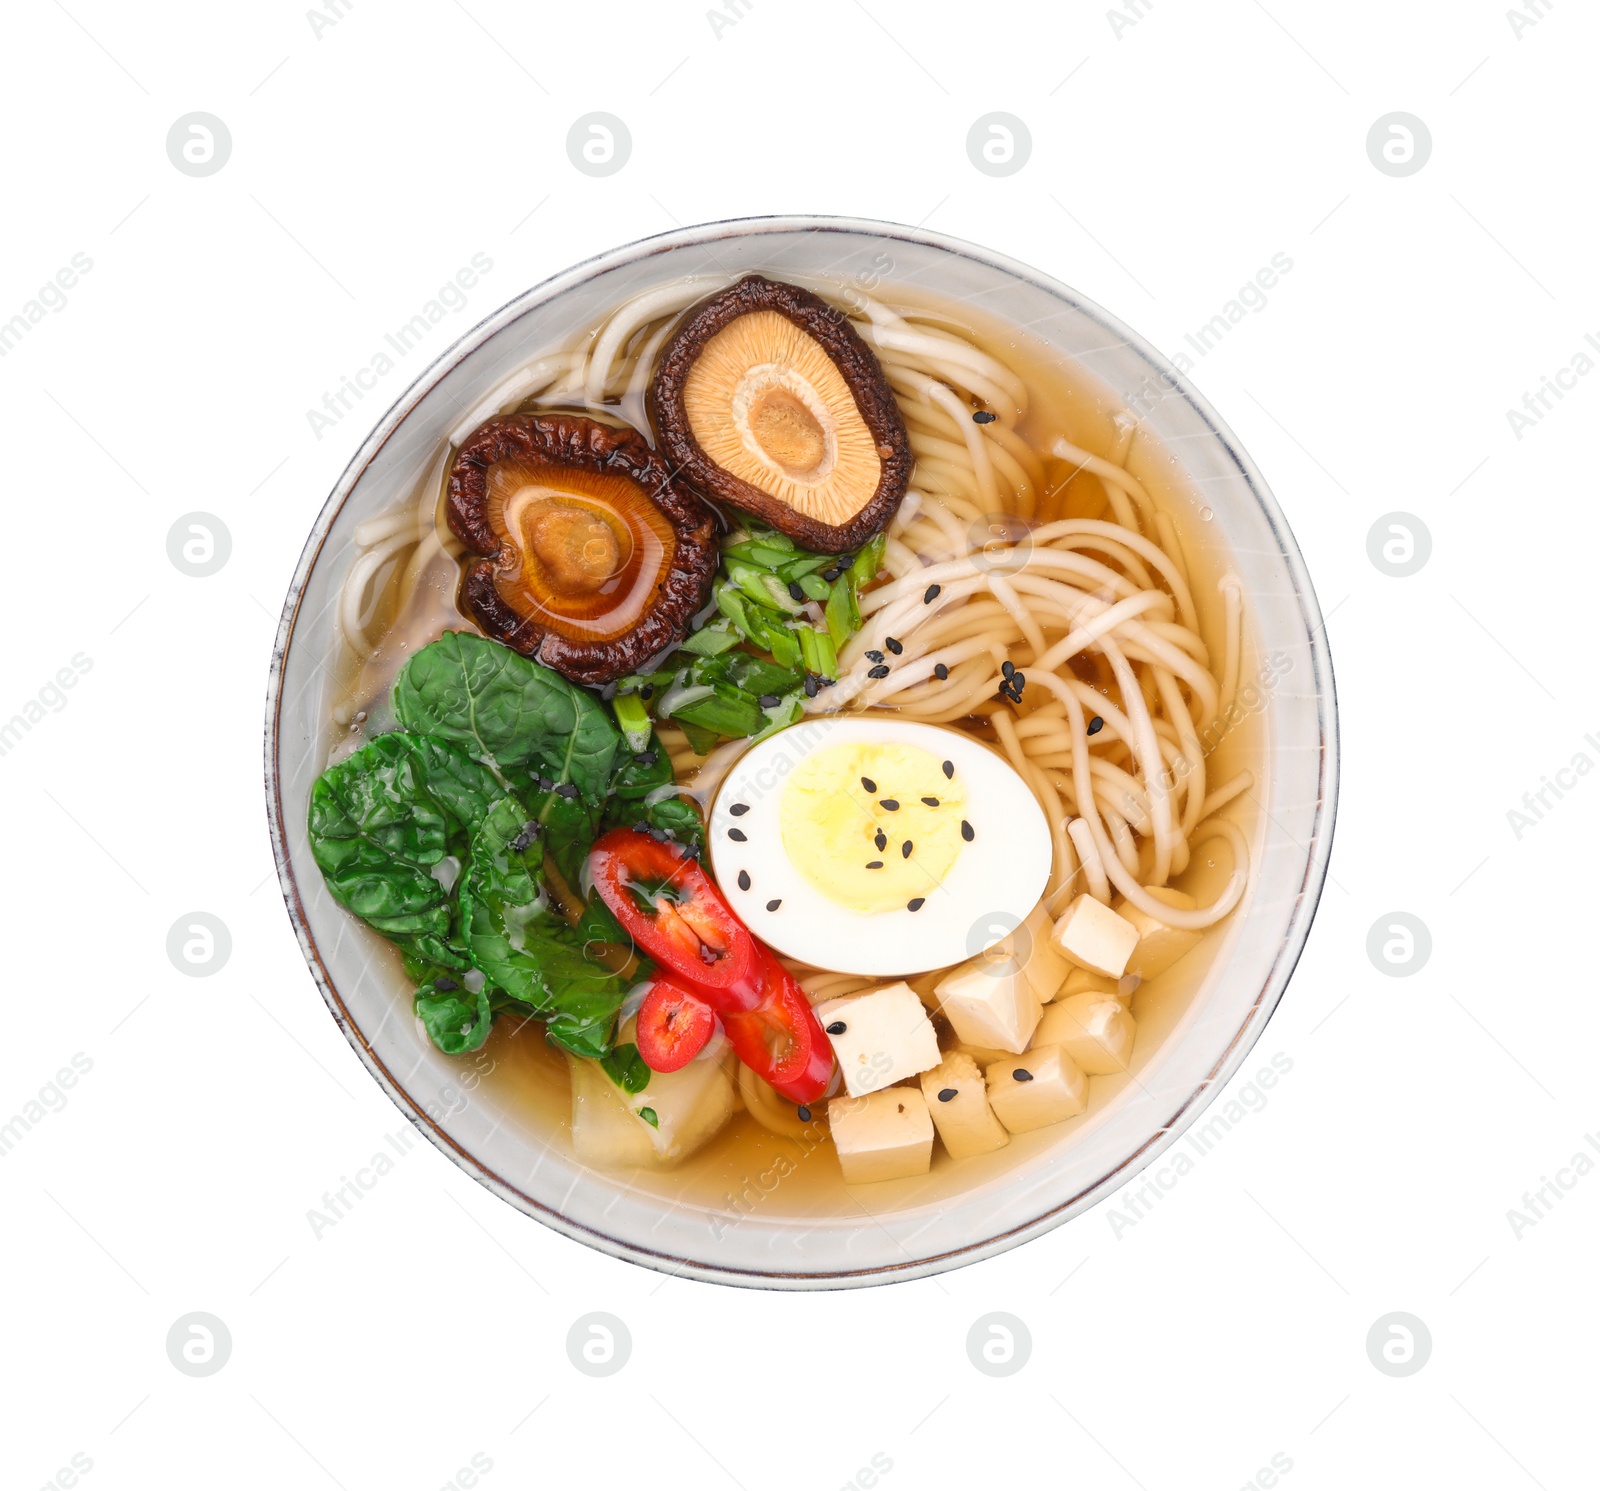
634, 720
728, 712
842, 613
814, 587
709, 641
701, 742
827, 658
784, 646
865, 566
808, 565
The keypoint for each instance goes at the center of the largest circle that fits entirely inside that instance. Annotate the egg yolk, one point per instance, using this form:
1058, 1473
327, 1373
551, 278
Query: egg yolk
873, 827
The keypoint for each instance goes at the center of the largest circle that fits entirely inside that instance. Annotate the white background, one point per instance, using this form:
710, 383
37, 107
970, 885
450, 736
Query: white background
1171, 159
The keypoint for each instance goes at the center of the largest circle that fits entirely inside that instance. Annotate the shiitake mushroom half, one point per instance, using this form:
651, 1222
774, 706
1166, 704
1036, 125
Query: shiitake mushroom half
768, 400
591, 558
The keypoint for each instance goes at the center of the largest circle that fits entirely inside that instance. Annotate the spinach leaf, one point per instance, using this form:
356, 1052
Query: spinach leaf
675, 816
505, 709
383, 823
641, 772
625, 1066
523, 946
456, 1022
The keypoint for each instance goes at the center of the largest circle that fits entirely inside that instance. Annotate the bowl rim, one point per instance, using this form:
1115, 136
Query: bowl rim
1306, 897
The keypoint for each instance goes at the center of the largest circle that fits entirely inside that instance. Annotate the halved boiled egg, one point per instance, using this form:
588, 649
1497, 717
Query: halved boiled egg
878, 846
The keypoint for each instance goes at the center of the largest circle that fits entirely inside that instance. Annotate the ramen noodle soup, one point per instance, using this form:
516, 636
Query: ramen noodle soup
800, 746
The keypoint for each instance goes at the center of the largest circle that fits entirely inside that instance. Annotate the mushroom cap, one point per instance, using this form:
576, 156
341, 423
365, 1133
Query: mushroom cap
590, 557
767, 399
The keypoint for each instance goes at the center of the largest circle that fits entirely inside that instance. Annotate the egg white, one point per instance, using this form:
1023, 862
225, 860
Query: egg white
995, 882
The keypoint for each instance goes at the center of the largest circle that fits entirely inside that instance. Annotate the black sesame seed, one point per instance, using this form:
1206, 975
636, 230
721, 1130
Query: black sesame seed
795, 591
530, 831
946, 1094
831, 574
916, 903
874, 654
878, 670
894, 645
774, 905
660, 835
1018, 683
445, 985
868, 784
940, 671
744, 880
932, 802
874, 864
641, 827
949, 769
1095, 726
1022, 1074
803, 1113
890, 803
811, 685
929, 594
824, 682
966, 831
984, 417
905, 850
1007, 668
645, 758
738, 835
769, 701
881, 839
739, 809
837, 1028
646, 690
568, 790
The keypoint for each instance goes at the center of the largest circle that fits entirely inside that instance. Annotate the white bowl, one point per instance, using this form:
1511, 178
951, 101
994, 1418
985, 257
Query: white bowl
781, 1225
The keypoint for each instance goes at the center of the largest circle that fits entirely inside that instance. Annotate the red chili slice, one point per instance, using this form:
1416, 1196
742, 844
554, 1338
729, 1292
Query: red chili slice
688, 928
673, 1027
781, 1040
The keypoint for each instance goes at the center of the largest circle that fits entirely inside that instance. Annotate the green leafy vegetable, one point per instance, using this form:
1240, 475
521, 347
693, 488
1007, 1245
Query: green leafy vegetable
649, 1116
384, 825
457, 1022
524, 947
625, 1066
502, 708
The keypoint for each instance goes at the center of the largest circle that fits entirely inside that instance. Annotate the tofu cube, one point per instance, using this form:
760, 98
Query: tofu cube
1081, 981
985, 1056
1095, 1030
1033, 948
1043, 1087
880, 1037
1093, 936
989, 1003
885, 1135
1160, 946
958, 1101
